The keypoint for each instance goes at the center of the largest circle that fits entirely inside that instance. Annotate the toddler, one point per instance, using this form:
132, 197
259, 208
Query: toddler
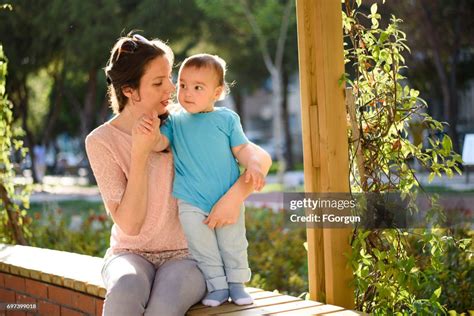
206, 141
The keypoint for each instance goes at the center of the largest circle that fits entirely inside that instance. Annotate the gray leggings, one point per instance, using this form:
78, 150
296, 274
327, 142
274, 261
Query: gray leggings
135, 287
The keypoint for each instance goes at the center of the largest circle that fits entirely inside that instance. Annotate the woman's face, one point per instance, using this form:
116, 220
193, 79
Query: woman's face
156, 87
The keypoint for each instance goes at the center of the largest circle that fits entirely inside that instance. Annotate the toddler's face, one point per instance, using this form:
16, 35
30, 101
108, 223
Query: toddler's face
198, 89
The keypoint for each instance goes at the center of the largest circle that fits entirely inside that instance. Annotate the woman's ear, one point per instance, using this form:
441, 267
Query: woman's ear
127, 91
130, 93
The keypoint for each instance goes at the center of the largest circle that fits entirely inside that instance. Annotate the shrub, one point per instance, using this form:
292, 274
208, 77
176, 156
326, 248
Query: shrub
277, 255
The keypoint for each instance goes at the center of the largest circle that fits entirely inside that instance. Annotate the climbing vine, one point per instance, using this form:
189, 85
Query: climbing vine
397, 270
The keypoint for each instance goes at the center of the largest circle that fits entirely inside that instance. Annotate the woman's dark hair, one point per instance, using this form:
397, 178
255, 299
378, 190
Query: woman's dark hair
127, 63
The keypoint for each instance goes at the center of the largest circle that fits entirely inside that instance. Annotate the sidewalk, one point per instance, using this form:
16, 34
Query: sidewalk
75, 188
456, 183
272, 200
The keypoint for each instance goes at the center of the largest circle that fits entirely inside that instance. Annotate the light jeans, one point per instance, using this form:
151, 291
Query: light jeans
135, 287
221, 253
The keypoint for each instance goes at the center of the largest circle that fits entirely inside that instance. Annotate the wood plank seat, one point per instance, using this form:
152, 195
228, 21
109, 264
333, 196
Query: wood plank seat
272, 303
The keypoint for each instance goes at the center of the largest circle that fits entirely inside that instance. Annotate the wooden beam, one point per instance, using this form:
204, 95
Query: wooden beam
306, 23
325, 146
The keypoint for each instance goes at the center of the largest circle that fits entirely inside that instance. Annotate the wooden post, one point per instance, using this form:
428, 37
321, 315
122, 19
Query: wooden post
325, 146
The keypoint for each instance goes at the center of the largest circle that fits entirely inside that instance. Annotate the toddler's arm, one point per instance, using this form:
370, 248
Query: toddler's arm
256, 162
152, 125
162, 142
226, 211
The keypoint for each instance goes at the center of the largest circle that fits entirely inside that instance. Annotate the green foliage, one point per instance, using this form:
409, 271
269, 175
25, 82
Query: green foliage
398, 271
52, 230
274, 167
14, 198
276, 253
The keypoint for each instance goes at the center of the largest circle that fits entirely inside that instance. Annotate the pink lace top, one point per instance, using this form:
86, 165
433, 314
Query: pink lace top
108, 150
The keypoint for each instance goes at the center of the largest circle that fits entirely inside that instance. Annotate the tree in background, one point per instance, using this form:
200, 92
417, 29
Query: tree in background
58, 50
27, 55
13, 197
271, 25
441, 40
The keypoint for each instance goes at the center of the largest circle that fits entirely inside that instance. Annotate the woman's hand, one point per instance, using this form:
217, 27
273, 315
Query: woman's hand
145, 134
225, 212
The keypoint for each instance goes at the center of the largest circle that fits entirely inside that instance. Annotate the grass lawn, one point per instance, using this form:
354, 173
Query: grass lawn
68, 208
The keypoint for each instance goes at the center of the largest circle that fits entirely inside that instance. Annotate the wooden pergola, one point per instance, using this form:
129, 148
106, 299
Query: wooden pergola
325, 145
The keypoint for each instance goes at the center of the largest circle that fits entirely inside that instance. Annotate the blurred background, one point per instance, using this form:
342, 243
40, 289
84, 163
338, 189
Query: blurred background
57, 50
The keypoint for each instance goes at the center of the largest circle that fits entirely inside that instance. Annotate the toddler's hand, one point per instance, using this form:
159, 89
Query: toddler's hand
144, 137
254, 173
149, 125
223, 213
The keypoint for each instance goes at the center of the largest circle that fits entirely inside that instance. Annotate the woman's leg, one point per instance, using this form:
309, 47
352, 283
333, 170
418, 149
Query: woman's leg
178, 285
128, 279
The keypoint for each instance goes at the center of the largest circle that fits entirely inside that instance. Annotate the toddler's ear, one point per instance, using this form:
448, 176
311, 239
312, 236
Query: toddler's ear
218, 92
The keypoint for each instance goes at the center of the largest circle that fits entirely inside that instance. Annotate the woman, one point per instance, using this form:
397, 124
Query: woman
148, 269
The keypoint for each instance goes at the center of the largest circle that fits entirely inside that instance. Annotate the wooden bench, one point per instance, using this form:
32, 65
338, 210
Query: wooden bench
63, 283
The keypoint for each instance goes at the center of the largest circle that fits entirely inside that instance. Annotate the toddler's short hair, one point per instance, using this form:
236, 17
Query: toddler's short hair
210, 61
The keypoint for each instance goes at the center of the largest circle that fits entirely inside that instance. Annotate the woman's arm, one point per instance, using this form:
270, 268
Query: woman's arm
126, 198
117, 190
226, 210
130, 214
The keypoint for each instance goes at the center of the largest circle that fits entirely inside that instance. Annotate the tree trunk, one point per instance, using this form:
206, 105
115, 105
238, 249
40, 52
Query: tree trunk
104, 112
89, 107
54, 111
277, 122
29, 139
453, 106
88, 115
454, 61
286, 122
239, 105
448, 88
15, 226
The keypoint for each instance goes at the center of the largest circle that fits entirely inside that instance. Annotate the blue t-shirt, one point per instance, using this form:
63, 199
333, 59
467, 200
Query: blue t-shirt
205, 167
